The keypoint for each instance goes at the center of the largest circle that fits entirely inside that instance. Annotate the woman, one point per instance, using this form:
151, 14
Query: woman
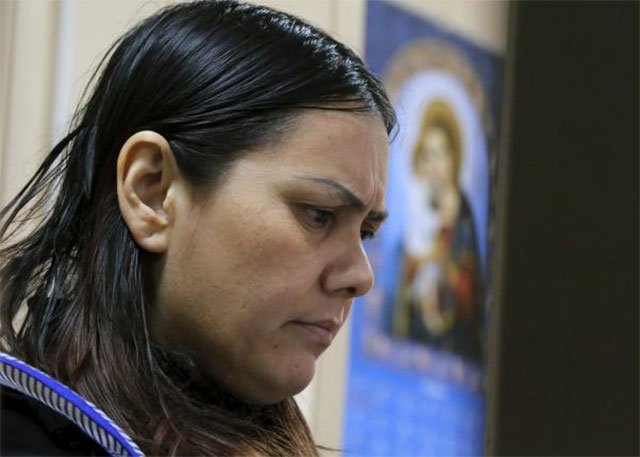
442, 291
194, 243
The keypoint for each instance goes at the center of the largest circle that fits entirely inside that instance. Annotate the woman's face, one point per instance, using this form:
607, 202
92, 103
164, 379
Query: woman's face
435, 161
260, 272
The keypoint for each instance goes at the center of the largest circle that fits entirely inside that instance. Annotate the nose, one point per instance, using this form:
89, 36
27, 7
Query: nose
350, 274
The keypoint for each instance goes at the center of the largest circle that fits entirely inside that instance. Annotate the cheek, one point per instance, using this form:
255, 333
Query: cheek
241, 280
282, 269
267, 265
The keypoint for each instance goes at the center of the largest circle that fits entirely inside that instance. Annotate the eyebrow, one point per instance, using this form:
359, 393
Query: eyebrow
349, 197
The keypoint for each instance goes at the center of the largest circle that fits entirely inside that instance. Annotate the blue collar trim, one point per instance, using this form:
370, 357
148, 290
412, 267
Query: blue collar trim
30, 381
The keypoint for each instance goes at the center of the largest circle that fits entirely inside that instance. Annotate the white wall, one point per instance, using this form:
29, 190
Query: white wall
28, 35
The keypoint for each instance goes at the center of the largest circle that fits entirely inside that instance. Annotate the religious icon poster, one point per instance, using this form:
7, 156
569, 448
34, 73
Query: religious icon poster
416, 382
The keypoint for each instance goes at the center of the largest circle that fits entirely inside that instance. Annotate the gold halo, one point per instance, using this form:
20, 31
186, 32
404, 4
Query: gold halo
439, 113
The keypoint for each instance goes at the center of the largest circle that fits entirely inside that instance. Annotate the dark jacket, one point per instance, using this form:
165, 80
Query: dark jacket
28, 427
42, 416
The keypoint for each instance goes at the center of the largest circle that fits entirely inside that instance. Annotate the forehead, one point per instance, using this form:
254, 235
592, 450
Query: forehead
347, 147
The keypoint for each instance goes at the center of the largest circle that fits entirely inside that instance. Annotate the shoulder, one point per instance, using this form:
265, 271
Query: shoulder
42, 416
29, 427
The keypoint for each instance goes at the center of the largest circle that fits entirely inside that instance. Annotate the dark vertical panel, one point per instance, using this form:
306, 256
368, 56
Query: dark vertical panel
568, 353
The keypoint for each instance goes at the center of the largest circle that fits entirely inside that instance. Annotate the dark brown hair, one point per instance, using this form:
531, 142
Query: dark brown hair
216, 79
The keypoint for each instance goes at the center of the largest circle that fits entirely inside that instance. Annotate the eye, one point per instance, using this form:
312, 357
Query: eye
318, 217
369, 230
366, 234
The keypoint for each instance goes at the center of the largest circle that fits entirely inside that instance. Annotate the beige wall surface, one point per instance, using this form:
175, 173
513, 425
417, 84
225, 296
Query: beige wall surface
28, 34
49, 49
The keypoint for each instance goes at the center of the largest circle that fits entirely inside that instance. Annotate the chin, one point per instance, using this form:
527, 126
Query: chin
301, 375
285, 384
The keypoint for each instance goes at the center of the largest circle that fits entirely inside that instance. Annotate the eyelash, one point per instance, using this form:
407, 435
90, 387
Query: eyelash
367, 234
311, 212
328, 218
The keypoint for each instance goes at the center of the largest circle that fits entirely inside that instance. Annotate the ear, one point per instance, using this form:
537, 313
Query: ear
147, 175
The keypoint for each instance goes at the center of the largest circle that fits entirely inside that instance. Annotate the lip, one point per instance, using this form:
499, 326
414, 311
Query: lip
321, 332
